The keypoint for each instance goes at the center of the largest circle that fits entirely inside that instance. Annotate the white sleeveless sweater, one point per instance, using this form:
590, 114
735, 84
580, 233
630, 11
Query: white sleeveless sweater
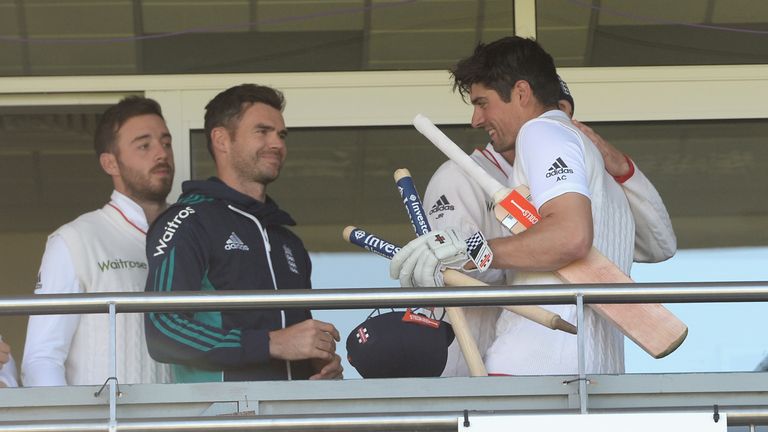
108, 255
524, 348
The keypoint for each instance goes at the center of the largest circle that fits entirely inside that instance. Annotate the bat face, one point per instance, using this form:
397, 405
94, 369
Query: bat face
651, 326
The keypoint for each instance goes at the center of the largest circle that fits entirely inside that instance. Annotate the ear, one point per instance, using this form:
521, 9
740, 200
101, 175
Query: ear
524, 91
108, 163
220, 140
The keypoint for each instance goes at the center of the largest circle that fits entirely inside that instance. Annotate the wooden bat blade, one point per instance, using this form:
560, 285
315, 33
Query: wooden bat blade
651, 326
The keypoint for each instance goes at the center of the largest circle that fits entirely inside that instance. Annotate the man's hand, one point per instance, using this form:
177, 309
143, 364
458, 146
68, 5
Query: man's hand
419, 262
5, 355
328, 369
615, 162
310, 339
5, 352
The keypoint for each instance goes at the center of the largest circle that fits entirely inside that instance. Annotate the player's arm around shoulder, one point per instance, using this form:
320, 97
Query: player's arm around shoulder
655, 238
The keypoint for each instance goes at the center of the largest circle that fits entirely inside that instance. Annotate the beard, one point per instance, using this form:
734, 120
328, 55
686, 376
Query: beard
142, 187
256, 170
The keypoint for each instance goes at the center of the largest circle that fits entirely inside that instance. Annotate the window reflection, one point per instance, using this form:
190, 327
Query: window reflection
653, 33
703, 170
192, 36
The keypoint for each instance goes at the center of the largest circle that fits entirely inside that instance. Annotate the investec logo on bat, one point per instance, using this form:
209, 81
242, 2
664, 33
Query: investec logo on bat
415, 208
170, 228
375, 244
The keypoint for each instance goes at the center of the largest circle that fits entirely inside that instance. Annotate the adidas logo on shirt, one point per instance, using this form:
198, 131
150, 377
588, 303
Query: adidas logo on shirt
234, 242
442, 204
559, 168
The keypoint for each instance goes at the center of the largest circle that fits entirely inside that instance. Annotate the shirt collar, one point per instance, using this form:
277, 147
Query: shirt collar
555, 113
503, 164
132, 211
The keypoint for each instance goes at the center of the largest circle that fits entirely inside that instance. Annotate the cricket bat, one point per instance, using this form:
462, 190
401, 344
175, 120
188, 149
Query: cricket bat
467, 342
415, 209
650, 325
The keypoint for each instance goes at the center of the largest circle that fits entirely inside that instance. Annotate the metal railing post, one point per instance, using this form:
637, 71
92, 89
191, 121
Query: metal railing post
580, 340
113, 388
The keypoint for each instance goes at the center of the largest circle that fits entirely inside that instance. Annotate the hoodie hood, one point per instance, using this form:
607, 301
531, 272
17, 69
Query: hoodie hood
268, 212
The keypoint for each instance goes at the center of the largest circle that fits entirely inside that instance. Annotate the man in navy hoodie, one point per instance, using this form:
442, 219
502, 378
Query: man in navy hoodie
226, 233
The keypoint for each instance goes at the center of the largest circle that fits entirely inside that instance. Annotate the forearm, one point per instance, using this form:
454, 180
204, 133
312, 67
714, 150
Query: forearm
43, 372
562, 235
47, 348
176, 338
538, 249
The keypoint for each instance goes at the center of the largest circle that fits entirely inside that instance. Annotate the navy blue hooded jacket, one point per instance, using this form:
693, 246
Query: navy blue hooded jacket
215, 239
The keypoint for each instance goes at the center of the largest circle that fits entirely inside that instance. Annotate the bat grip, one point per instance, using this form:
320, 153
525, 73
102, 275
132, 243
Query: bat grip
412, 202
370, 242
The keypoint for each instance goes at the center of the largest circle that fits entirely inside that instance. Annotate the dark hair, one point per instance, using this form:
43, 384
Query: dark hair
227, 108
500, 64
115, 117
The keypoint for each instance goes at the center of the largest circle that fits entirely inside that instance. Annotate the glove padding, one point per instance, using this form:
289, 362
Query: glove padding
419, 262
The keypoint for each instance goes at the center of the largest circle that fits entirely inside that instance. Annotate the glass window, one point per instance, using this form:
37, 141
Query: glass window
343, 176
705, 171
49, 175
47, 37
653, 33
336, 177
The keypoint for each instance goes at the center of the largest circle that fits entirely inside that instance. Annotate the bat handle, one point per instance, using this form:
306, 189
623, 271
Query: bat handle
412, 202
386, 249
536, 314
456, 154
418, 218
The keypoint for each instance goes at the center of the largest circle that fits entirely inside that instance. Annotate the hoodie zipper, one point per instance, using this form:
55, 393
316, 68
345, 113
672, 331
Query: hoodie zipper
268, 248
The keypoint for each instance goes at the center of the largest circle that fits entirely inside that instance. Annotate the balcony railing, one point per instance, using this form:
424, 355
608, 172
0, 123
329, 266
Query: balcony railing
739, 396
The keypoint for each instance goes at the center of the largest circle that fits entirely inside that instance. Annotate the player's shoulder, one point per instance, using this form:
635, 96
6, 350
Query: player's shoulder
188, 211
449, 172
451, 183
88, 217
549, 127
84, 220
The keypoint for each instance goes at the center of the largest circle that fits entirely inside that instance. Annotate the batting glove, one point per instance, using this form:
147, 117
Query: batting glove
420, 262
